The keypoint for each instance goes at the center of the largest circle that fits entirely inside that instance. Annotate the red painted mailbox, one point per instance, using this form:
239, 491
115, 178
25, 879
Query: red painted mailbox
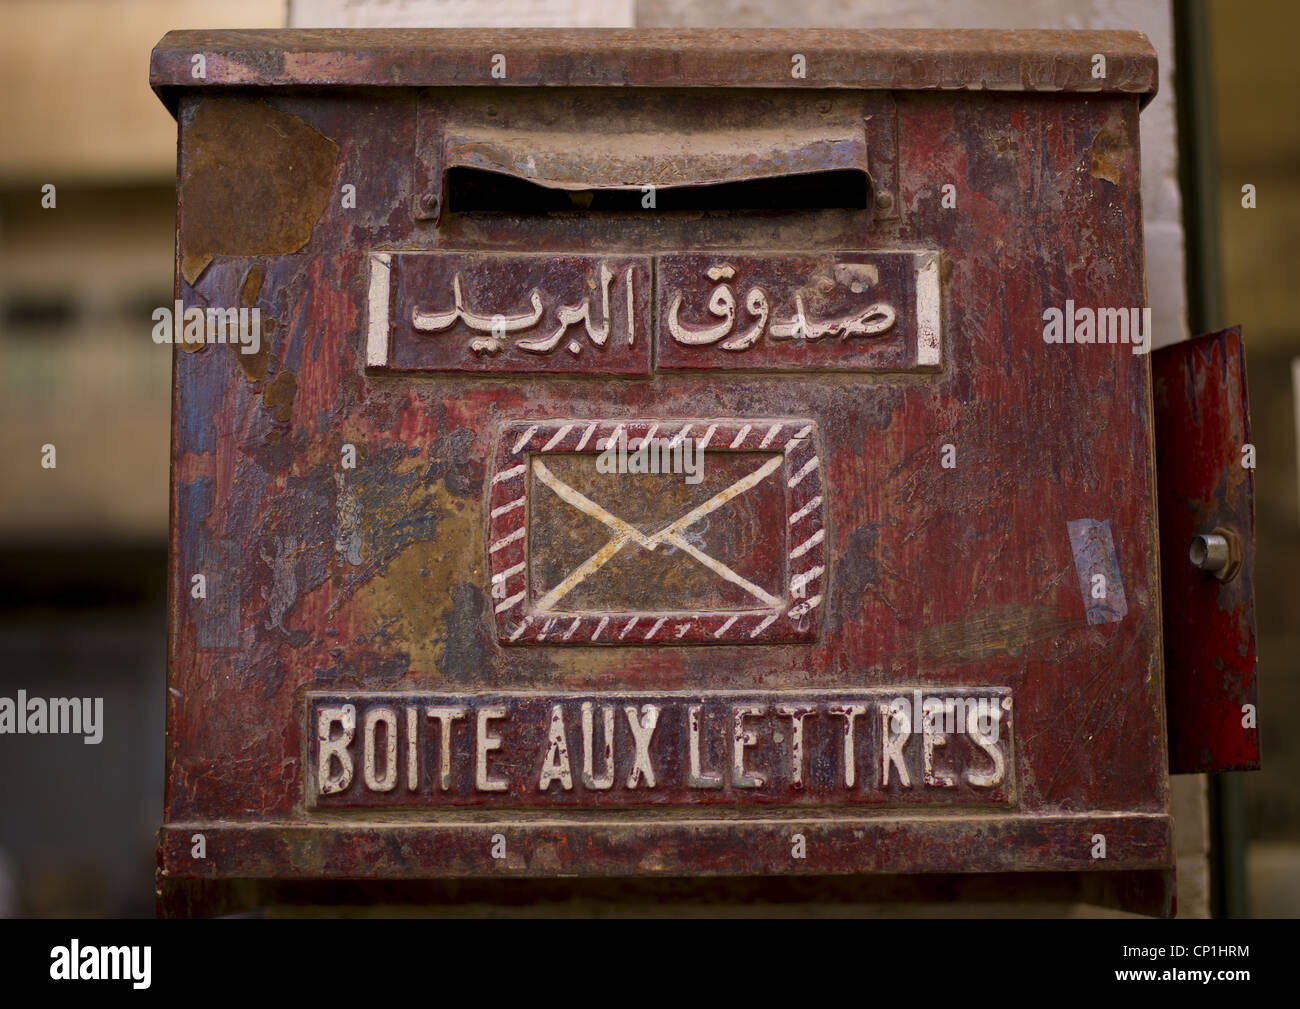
664, 454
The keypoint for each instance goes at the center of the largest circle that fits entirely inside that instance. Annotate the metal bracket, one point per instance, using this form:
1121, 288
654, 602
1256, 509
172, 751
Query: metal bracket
426, 172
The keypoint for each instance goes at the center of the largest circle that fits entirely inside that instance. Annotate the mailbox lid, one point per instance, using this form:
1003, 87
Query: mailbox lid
885, 59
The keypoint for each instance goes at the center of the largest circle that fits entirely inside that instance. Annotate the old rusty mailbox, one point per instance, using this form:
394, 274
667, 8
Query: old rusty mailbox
643, 454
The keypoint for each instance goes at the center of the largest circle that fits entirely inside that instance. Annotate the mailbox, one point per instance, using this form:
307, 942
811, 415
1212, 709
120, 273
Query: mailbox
616, 453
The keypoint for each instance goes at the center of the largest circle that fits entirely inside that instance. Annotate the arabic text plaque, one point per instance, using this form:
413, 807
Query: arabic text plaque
488, 312
847, 311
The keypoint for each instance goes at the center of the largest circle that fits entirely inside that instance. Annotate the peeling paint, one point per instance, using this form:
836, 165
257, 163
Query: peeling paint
254, 181
1109, 151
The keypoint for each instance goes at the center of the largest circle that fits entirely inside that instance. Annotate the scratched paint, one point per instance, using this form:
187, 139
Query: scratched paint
217, 612
1095, 562
1200, 388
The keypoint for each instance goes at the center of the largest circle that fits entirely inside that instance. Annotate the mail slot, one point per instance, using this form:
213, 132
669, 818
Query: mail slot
669, 454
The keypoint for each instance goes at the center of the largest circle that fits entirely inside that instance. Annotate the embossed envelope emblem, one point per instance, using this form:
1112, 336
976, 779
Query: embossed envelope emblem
639, 532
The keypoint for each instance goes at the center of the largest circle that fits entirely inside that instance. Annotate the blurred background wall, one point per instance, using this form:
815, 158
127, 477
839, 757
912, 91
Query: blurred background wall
1255, 78
83, 545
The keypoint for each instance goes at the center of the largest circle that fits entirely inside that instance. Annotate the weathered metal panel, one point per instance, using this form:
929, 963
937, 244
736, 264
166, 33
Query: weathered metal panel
879, 59
1206, 481
879, 516
667, 847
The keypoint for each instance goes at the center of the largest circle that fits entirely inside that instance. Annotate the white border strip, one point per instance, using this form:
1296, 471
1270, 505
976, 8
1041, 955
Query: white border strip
377, 330
928, 308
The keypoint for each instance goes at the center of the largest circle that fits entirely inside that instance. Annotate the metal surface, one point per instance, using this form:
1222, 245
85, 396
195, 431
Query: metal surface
713, 157
1204, 448
1219, 552
885, 59
895, 518
543, 151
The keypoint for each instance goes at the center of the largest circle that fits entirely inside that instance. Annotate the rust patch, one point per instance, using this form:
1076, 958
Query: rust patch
278, 395
407, 597
254, 365
1109, 151
254, 182
998, 630
1005, 145
252, 286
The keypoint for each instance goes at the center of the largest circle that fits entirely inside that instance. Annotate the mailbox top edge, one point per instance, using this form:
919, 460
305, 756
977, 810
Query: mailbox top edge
900, 60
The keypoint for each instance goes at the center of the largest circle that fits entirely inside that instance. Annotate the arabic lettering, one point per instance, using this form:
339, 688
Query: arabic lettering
874, 320
499, 325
